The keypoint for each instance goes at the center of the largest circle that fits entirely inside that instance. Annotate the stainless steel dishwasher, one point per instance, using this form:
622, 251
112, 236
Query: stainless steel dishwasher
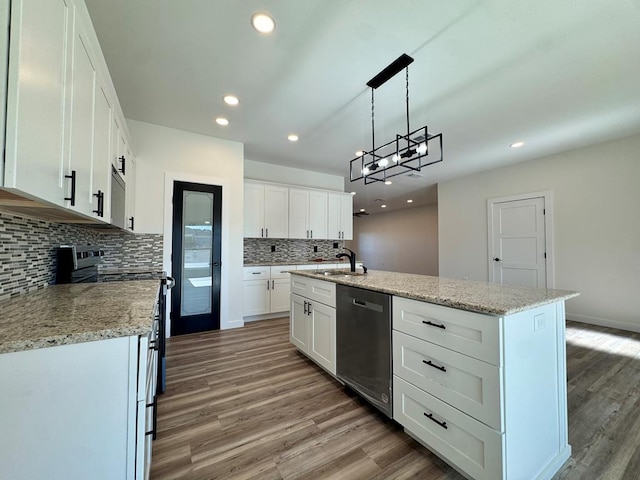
363, 344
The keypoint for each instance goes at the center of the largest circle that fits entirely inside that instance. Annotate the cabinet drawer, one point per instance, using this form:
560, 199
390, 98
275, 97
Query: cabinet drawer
471, 446
307, 267
256, 273
316, 290
468, 384
472, 334
281, 271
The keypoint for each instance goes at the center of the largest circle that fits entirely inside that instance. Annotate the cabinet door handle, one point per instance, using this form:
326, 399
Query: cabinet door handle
268, 283
262, 233
122, 159
309, 308
99, 197
307, 233
131, 219
305, 307
426, 322
72, 198
273, 284
428, 362
266, 233
430, 417
311, 233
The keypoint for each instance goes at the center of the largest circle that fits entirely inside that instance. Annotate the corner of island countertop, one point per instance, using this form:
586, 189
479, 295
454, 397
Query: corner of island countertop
470, 295
76, 313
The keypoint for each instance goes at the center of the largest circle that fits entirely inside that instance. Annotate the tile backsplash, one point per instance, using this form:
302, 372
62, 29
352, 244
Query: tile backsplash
28, 251
258, 250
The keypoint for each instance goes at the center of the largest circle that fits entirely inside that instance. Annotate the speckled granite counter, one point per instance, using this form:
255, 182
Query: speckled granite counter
309, 262
76, 313
111, 274
483, 297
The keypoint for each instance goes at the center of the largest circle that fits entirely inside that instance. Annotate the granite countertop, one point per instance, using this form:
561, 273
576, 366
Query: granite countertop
483, 297
308, 262
76, 313
123, 270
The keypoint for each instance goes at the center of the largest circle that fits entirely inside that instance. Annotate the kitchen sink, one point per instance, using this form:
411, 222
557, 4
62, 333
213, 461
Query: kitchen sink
341, 273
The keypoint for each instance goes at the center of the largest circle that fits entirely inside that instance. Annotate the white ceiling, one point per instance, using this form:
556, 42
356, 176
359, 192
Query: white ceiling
556, 74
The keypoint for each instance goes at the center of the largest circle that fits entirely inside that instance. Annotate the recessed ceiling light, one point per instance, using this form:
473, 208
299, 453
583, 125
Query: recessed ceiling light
359, 153
222, 121
353, 193
362, 209
409, 201
388, 182
516, 144
263, 23
293, 137
231, 100
383, 206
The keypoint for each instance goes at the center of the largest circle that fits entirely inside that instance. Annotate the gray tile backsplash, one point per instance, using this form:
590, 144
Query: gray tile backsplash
258, 250
28, 251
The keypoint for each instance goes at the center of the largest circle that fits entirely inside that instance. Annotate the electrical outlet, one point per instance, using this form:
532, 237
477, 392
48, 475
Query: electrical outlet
273, 248
539, 322
315, 249
335, 245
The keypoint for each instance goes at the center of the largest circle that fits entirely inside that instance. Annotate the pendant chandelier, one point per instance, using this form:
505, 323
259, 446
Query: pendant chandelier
408, 152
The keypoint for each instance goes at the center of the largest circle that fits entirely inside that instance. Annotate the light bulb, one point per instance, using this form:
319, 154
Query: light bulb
383, 163
422, 149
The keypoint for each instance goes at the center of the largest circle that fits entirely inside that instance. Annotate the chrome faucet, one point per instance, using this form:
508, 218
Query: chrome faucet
352, 258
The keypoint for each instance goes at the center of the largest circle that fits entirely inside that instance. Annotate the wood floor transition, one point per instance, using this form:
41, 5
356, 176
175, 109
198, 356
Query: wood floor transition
244, 404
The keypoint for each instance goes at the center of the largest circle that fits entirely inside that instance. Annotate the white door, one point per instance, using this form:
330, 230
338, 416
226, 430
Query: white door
299, 323
346, 216
253, 210
322, 343
276, 212
255, 297
317, 215
298, 213
518, 242
280, 295
102, 154
334, 225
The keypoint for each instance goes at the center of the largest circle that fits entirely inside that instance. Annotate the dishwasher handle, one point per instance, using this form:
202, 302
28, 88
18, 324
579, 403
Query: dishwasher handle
368, 305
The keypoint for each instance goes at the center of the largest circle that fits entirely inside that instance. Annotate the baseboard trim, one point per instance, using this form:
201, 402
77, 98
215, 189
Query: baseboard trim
604, 322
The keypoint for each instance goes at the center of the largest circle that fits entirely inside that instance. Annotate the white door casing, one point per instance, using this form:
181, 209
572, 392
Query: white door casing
520, 232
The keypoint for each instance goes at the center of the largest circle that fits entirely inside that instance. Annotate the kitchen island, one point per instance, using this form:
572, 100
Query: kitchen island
478, 369
77, 369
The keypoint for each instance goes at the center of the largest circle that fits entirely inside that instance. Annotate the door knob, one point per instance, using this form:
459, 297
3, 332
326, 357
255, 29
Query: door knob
497, 259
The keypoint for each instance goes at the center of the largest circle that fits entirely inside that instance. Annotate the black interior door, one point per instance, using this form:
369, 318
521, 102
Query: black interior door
196, 257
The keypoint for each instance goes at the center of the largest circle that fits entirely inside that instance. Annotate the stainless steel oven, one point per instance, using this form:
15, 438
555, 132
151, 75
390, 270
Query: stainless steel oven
78, 263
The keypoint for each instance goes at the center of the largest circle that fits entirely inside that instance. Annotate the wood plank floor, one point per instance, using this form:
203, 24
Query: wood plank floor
244, 404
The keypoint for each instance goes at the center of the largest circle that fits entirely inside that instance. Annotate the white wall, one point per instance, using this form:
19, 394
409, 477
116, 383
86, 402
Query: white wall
596, 192
164, 155
398, 241
292, 176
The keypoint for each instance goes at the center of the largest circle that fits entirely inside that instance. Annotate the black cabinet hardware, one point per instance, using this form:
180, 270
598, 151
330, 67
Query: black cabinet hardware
430, 417
305, 307
426, 322
122, 160
309, 308
428, 362
219, 264
268, 285
497, 259
100, 197
131, 219
72, 198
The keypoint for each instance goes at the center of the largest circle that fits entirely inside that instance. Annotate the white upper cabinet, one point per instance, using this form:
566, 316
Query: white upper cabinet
130, 191
82, 100
102, 154
64, 124
307, 214
36, 94
266, 210
339, 216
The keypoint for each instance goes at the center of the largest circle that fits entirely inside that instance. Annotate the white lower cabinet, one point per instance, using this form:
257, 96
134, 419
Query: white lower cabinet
266, 289
486, 393
313, 320
80, 407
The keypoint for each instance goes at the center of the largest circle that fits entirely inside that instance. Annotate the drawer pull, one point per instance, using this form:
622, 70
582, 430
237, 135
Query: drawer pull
256, 273
430, 417
426, 322
428, 362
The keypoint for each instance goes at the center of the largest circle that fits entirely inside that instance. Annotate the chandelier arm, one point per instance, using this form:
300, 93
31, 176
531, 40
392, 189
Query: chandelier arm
408, 129
373, 124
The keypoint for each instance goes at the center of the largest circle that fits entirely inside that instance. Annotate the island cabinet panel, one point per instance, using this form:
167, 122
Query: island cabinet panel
505, 412
467, 443
468, 384
73, 411
473, 334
